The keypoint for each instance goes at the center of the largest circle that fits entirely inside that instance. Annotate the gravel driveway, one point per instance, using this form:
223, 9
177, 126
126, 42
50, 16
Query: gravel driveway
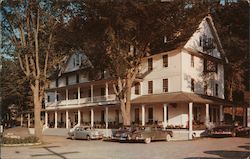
61, 148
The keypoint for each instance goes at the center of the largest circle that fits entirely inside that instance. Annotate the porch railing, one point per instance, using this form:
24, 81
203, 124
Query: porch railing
83, 100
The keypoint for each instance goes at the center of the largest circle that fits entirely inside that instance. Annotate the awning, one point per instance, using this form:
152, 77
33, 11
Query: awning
180, 97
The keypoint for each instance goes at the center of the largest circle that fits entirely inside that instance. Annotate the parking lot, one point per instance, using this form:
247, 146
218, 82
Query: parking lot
62, 148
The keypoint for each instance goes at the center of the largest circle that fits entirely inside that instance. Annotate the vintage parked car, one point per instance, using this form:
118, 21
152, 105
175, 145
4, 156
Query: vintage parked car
229, 130
147, 134
121, 132
85, 132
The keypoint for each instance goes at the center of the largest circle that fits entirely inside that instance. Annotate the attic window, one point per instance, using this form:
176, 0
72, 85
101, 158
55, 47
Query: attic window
77, 60
207, 43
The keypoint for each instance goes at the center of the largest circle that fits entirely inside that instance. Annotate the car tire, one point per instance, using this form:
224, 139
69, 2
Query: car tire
168, 138
147, 140
88, 137
73, 137
233, 134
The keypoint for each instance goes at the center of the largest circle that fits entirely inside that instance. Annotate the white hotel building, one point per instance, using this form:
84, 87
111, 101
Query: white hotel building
182, 88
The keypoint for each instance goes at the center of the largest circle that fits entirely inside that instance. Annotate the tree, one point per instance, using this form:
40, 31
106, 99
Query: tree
233, 28
118, 34
14, 87
29, 28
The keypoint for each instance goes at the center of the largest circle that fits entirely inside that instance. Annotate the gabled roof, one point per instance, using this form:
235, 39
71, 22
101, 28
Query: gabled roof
216, 36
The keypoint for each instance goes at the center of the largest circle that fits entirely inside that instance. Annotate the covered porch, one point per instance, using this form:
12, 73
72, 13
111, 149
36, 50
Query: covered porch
189, 111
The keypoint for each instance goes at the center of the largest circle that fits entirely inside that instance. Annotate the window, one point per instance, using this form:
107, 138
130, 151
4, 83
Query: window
117, 116
102, 116
192, 85
192, 60
102, 91
165, 60
67, 80
137, 115
137, 88
89, 92
197, 113
210, 66
150, 115
205, 88
77, 78
76, 117
48, 99
77, 60
61, 117
90, 115
150, 87
56, 82
216, 89
165, 85
216, 67
150, 64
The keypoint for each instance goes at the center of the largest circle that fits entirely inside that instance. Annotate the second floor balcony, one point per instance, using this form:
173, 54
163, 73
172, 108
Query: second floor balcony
82, 101
81, 95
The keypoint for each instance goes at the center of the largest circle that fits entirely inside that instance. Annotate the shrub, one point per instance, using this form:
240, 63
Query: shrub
30, 139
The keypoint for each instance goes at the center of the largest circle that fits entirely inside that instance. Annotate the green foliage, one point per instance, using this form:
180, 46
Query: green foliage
232, 23
26, 140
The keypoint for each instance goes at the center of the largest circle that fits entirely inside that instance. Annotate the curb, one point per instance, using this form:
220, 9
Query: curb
16, 145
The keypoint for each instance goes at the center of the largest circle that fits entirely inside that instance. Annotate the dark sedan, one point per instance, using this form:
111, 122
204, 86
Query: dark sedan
229, 130
147, 134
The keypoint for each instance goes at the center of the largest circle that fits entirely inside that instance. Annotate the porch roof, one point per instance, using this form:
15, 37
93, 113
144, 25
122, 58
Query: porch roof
180, 97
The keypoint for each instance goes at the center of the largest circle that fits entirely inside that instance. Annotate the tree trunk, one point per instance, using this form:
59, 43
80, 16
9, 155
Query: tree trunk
37, 110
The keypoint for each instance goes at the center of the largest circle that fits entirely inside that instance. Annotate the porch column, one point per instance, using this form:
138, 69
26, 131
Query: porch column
106, 90
207, 118
28, 120
233, 113
55, 96
67, 96
221, 113
79, 94
67, 119
46, 119
107, 117
79, 117
143, 114
165, 122
21, 120
92, 117
92, 93
55, 119
190, 137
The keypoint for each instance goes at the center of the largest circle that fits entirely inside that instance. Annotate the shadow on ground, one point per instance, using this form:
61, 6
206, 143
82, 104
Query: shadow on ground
222, 154
52, 152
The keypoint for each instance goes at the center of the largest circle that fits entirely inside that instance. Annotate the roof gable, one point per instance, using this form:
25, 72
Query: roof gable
76, 61
206, 40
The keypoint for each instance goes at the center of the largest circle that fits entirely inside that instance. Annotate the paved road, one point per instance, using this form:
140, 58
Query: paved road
61, 148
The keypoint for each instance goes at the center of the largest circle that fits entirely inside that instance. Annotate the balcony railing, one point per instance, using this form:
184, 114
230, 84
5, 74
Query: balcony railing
87, 100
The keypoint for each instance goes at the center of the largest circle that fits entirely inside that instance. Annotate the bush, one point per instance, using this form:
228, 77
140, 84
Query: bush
30, 139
